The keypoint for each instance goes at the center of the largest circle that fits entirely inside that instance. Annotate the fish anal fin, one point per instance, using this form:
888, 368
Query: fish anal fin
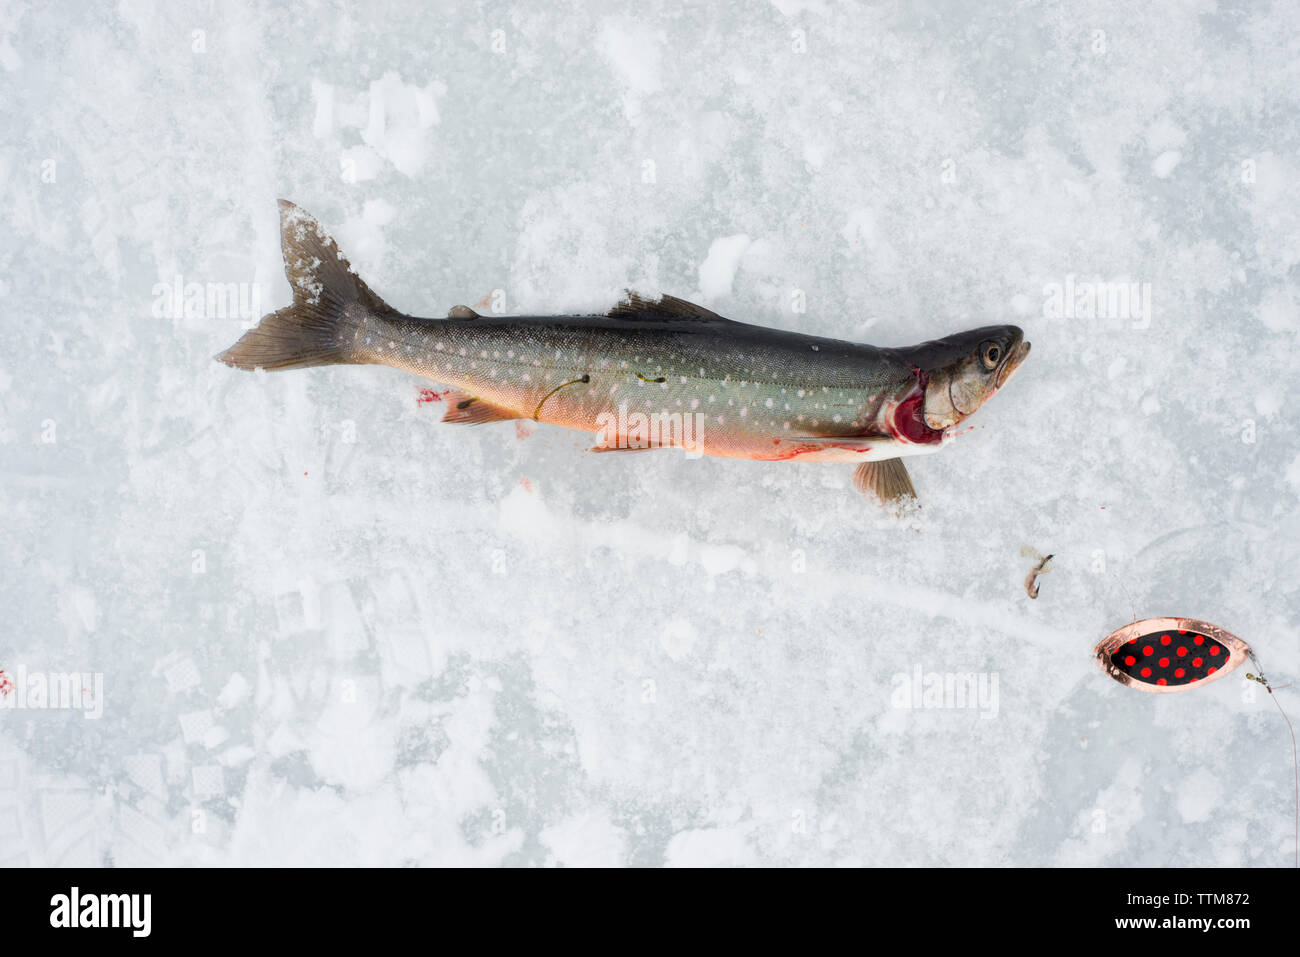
466, 409
625, 448
462, 312
887, 480
664, 309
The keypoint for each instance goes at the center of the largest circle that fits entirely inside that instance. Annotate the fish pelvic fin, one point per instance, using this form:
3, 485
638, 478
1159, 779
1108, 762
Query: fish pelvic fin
332, 308
467, 409
887, 480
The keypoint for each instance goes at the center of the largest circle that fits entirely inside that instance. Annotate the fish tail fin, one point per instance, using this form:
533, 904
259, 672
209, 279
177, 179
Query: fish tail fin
331, 312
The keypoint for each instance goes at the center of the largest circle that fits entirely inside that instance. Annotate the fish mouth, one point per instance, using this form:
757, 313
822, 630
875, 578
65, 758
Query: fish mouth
1011, 363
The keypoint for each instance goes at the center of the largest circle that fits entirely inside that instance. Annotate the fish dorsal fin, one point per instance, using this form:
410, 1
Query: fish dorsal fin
663, 309
887, 480
462, 312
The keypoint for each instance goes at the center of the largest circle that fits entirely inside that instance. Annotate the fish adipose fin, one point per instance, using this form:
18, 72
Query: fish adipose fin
663, 309
462, 312
467, 409
331, 305
886, 480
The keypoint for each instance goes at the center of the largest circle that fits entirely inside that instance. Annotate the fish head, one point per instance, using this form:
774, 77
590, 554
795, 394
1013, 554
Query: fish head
962, 372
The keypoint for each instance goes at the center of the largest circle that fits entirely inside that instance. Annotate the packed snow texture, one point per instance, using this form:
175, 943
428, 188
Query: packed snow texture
331, 630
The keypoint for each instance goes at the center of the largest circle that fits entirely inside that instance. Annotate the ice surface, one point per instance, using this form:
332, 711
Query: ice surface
332, 631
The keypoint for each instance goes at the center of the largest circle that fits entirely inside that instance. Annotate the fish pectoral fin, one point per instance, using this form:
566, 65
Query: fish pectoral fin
887, 480
467, 409
462, 312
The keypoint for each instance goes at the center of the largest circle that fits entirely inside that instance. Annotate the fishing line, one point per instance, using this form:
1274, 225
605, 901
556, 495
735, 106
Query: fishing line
1131, 607
586, 377
1295, 764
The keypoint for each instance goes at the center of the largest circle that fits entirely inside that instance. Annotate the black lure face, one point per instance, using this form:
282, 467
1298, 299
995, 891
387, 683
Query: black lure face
1170, 654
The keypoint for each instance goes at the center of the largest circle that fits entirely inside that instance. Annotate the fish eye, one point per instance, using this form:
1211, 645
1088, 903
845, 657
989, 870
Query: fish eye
992, 353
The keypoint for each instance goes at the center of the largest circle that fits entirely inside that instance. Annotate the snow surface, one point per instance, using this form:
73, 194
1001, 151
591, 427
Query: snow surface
332, 631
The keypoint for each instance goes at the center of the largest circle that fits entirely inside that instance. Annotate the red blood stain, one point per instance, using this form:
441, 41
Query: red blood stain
6, 683
527, 484
523, 430
793, 449
430, 395
909, 418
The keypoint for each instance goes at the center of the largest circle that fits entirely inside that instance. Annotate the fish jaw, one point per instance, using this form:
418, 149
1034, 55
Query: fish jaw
955, 393
1012, 363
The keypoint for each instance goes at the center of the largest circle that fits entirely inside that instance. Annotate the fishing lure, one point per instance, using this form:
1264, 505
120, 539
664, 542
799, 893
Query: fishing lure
1165, 655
